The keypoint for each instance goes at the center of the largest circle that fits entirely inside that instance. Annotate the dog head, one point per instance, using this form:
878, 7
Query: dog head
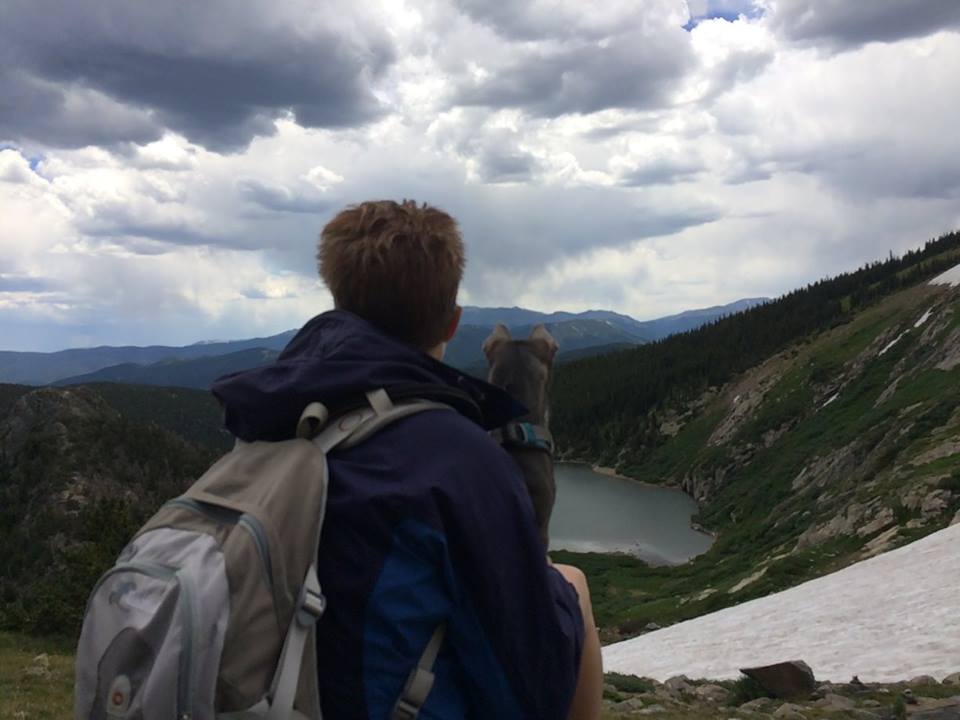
522, 367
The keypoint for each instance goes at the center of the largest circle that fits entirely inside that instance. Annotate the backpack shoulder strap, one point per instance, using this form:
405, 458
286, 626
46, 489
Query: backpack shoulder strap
420, 681
344, 432
356, 426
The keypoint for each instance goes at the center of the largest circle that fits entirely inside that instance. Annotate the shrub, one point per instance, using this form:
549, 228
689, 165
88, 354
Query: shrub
629, 683
746, 689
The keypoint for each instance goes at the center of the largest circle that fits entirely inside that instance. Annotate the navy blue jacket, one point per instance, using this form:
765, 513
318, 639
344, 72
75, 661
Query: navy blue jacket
428, 521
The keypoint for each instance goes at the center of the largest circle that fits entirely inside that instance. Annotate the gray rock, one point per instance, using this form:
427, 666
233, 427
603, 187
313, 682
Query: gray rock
948, 712
712, 693
832, 701
953, 679
652, 710
793, 679
859, 714
651, 626
678, 684
757, 705
871, 703
789, 711
629, 705
924, 680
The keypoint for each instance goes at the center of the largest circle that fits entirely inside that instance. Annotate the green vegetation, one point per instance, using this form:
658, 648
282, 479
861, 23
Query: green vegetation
746, 689
194, 415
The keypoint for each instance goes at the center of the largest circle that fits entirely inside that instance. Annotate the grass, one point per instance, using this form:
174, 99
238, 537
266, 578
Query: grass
26, 693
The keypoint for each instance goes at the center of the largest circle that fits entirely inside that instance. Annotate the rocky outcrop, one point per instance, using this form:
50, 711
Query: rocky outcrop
630, 697
786, 680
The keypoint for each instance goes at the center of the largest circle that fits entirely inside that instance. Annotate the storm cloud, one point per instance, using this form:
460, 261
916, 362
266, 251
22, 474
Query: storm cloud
841, 24
632, 70
219, 72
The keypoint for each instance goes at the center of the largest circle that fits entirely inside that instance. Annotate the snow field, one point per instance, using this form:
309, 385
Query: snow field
885, 619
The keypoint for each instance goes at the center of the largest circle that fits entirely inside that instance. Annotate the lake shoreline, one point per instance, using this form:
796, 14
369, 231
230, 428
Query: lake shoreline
635, 537
612, 472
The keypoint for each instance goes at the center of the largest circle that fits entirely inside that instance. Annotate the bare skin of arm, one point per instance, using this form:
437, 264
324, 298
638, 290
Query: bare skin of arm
588, 697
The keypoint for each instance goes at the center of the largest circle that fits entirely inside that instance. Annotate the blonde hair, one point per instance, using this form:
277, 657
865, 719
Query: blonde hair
397, 265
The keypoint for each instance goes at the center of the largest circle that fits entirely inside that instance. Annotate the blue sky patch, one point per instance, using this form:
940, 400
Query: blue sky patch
728, 10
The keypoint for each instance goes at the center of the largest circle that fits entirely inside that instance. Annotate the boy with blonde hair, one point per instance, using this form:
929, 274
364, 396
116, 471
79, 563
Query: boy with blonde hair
428, 522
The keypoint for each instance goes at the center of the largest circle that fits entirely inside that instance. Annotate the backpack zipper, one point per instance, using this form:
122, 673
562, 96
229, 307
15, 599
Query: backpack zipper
186, 690
226, 516
253, 526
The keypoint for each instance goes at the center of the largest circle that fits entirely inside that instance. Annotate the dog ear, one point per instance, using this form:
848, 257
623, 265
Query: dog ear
543, 344
499, 335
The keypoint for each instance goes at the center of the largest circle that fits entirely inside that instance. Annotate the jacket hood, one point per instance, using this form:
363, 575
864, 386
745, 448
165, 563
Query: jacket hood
337, 358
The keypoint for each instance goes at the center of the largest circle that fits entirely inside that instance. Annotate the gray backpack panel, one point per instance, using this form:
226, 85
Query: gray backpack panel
210, 610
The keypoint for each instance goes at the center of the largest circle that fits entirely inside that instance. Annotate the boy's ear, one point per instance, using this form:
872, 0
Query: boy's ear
499, 335
454, 324
543, 344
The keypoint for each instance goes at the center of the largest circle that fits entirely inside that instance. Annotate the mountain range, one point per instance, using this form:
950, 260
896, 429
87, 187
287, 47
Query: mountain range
197, 365
814, 431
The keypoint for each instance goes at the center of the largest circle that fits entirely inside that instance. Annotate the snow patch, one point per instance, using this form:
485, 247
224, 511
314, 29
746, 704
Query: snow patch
923, 318
832, 398
885, 619
950, 277
892, 343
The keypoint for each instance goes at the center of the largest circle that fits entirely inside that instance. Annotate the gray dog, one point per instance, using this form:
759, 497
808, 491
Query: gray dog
523, 368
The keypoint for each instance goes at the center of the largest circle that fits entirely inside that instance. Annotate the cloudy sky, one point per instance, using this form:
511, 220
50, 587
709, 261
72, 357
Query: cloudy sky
165, 167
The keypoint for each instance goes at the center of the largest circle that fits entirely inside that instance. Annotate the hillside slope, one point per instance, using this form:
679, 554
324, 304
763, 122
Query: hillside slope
198, 373
884, 619
840, 445
77, 478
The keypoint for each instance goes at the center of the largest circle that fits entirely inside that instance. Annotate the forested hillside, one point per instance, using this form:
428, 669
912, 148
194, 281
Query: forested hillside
77, 478
608, 408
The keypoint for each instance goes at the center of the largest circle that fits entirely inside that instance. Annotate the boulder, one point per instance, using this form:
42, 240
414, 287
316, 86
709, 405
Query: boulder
832, 701
629, 705
712, 694
757, 705
947, 712
953, 679
652, 710
789, 711
924, 680
678, 684
786, 680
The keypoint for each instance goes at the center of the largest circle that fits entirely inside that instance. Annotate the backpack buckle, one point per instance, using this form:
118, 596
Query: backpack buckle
404, 710
312, 603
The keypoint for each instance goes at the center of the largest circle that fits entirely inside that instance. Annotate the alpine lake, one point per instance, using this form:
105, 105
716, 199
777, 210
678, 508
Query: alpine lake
596, 512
